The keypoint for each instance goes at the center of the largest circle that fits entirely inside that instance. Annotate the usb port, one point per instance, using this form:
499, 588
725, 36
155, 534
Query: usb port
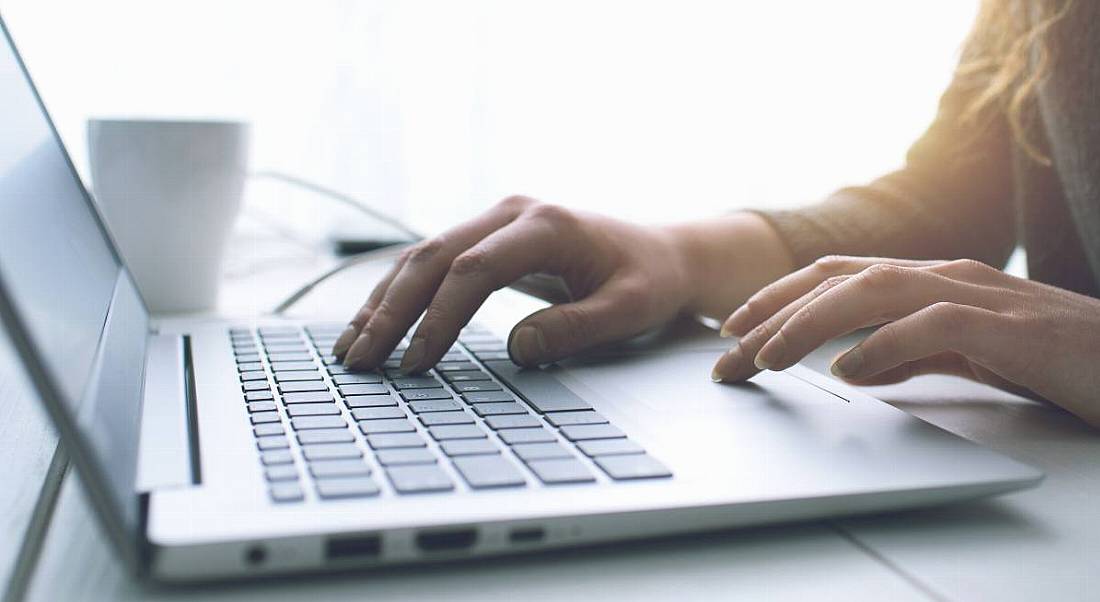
527, 535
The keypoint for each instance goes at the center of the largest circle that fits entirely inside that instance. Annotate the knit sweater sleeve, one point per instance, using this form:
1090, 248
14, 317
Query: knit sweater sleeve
952, 199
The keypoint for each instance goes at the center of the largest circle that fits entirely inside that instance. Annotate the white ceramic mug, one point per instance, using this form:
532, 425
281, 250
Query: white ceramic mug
170, 192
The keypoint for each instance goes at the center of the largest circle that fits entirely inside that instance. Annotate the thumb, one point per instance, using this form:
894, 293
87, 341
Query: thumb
609, 314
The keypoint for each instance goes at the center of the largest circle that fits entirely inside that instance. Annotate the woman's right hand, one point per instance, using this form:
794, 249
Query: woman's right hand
622, 279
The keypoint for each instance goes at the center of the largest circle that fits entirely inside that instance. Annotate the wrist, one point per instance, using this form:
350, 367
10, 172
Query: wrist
726, 260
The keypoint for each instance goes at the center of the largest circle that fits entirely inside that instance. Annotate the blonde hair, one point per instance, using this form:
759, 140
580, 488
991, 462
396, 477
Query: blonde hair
1006, 57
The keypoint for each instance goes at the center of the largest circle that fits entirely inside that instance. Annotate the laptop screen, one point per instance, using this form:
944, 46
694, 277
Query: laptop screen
65, 299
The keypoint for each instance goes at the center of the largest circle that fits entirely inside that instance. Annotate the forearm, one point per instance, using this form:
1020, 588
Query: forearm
728, 259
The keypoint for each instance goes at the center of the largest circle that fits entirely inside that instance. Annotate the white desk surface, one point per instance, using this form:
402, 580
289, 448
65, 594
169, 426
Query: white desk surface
1039, 544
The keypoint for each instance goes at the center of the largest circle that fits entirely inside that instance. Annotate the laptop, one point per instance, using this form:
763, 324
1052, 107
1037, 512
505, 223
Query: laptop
215, 449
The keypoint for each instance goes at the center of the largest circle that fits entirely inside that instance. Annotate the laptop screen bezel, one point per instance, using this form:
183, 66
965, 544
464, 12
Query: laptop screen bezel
123, 525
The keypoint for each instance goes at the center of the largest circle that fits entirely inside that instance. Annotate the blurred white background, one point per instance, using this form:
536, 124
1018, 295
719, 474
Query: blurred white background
652, 111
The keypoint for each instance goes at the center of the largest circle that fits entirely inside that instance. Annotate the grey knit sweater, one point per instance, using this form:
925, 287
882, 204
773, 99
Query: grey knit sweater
972, 191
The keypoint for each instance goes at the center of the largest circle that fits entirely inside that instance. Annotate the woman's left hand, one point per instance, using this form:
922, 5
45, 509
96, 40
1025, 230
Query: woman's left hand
956, 317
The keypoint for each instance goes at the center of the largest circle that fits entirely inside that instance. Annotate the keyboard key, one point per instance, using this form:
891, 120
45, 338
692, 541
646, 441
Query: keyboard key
298, 387
400, 457
635, 466
454, 356
318, 422
249, 367
365, 378
553, 472
258, 396
377, 413
297, 376
248, 358
498, 409
457, 367
261, 406
541, 451
421, 478
487, 356
329, 359
331, 451
609, 447
267, 331
312, 409
487, 397
469, 447
337, 435
441, 418
416, 382
270, 428
289, 366
434, 405
336, 369
273, 442
420, 394
464, 377
583, 432
512, 421
294, 347
363, 389
456, 431
253, 375
483, 472
489, 345
276, 456
286, 491
264, 417
289, 357
333, 489
393, 440
473, 387
571, 418
255, 385
539, 435
375, 427
281, 472
323, 469
540, 388
308, 397
369, 401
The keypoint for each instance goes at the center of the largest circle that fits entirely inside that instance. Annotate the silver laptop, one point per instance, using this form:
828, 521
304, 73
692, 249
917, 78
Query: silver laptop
217, 450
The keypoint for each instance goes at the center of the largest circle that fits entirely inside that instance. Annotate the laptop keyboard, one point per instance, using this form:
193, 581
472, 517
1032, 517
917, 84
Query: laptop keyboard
322, 429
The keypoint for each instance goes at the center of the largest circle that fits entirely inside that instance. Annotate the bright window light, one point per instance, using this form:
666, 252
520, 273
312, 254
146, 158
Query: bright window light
653, 111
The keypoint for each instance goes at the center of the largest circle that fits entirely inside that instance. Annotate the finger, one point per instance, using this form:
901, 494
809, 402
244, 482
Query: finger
942, 363
617, 310
737, 363
980, 335
415, 283
881, 293
770, 299
340, 348
525, 246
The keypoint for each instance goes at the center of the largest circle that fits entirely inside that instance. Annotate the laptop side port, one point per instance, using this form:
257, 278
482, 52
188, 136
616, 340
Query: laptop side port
527, 535
446, 541
356, 547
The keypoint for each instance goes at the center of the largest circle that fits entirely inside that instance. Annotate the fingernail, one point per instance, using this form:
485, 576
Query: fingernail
732, 324
849, 364
410, 361
362, 347
732, 358
528, 345
344, 341
772, 352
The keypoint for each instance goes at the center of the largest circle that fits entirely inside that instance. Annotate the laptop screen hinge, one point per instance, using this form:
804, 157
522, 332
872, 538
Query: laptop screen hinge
169, 450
